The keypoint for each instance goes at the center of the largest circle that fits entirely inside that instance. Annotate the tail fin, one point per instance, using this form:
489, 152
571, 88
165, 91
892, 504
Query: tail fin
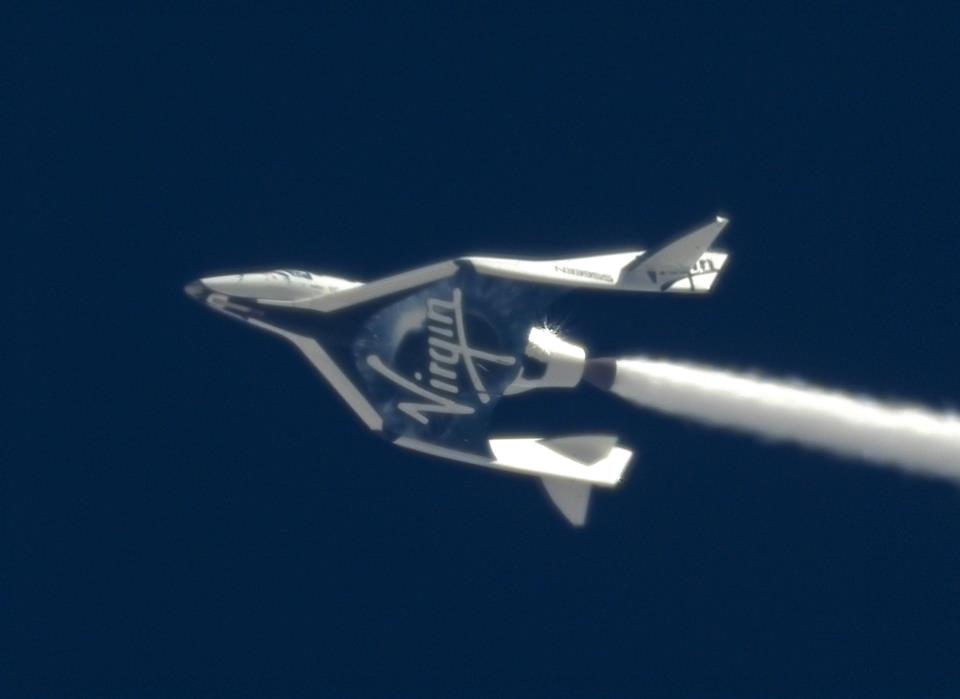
572, 498
681, 265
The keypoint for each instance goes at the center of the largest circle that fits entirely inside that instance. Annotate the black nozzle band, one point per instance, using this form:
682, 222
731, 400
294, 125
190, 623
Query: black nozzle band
600, 372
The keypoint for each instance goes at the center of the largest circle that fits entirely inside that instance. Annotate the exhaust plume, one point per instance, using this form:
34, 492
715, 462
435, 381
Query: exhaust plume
909, 437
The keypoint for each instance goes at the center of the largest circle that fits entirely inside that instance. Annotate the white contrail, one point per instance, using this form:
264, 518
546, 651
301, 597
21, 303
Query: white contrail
910, 437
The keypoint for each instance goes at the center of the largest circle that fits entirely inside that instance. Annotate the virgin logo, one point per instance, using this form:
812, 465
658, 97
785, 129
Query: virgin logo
447, 348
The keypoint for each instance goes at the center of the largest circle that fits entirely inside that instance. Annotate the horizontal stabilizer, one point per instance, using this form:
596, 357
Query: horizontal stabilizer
585, 448
572, 498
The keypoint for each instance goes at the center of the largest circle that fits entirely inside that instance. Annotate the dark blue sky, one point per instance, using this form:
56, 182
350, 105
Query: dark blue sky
188, 511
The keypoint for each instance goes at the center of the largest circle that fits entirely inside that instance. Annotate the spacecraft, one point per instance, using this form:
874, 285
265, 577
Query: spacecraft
422, 358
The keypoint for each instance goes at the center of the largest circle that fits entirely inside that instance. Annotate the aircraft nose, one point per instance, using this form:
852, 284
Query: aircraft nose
196, 290
234, 285
249, 285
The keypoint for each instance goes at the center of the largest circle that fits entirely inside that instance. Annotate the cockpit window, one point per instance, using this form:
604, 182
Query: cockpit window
297, 273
